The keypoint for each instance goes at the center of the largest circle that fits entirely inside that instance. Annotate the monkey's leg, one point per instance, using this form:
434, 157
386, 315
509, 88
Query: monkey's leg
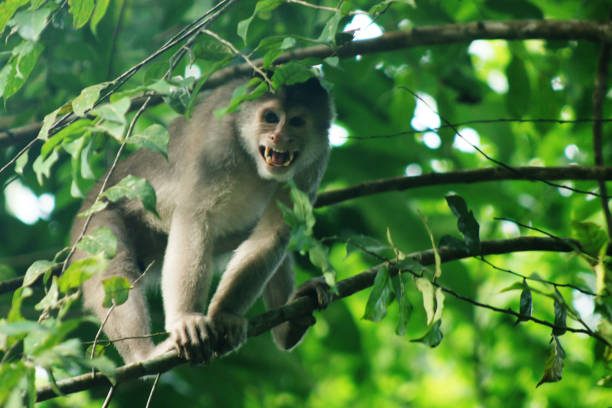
131, 319
278, 293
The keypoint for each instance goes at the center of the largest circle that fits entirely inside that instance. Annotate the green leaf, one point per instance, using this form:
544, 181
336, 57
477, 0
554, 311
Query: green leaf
19, 295
133, 188
593, 238
427, 290
95, 207
113, 112
48, 121
19, 67
7, 10
51, 299
101, 241
42, 167
380, 297
399, 282
209, 49
87, 98
331, 28
526, 303
243, 27
31, 23
433, 337
81, 10
154, 138
21, 162
519, 90
98, 14
37, 269
466, 222
79, 271
291, 73
553, 371
116, 291
66, 136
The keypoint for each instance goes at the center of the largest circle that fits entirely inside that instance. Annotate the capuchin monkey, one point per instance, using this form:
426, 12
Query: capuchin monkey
217, 192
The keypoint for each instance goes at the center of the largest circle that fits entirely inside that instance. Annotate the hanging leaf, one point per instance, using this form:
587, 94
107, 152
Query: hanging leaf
433, 337
466, 222
553, 370
36, 270
380, 297
526, 305
98, 14
427, 291
399, 282
81, 10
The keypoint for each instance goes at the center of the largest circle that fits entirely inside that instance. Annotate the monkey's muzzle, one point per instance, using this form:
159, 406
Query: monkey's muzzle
277, 158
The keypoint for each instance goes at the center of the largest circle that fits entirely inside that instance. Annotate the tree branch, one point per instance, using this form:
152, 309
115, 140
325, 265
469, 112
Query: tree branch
306, 305
418, 36
462, 176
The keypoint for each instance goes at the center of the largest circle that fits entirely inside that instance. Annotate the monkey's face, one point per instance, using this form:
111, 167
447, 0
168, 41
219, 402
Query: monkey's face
283, 140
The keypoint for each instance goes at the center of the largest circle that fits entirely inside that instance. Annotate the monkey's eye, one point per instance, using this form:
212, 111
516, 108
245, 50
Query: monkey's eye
270, 117
297, 121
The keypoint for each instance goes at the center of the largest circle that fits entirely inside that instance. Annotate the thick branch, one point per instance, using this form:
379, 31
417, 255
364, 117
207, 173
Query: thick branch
418, 36
463, 176
305, 306
432, 179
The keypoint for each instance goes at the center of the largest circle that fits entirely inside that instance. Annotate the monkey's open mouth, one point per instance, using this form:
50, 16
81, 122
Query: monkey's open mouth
277, 158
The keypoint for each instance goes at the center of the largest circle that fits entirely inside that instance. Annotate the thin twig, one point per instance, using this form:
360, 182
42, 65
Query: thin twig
488, 157
153, 387
235, 51
314, 6
531, 278
99, 332
109, 396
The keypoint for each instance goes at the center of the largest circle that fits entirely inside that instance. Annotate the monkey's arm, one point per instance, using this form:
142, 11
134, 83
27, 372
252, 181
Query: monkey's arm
248, 271
186, 276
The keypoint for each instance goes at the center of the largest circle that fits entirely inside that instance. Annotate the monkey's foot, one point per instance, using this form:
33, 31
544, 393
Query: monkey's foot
229, 331
315, 288
288, 335
190, 337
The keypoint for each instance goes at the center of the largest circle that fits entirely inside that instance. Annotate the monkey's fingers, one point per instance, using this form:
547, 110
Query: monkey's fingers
317, 289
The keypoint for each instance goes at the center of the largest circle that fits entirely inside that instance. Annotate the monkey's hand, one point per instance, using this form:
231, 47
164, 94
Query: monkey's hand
287, 335
229, 331
190, 335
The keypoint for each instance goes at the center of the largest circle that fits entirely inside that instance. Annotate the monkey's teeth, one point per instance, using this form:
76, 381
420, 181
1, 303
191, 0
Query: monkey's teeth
277, 157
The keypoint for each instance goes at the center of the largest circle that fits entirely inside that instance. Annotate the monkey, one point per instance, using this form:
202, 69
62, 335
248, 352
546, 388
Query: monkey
217, 192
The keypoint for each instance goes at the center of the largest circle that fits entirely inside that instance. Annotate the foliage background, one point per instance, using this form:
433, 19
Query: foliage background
484, 359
